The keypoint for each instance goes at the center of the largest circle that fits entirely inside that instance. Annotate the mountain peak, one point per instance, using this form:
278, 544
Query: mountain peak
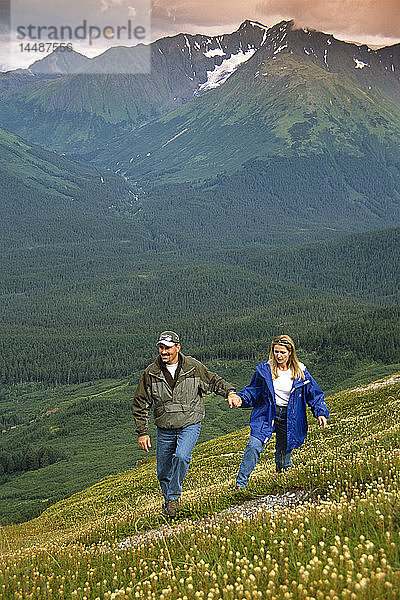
249, 23
59, 63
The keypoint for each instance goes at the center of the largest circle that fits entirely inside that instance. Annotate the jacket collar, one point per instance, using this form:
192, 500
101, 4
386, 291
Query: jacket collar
265, 370
156, 369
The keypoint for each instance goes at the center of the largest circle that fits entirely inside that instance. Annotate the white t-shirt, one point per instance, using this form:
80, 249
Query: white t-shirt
172, 369
282, 386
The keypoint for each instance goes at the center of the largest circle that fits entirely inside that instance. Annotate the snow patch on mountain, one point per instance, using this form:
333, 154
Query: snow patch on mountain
221, 72
262, 27
174, 138
214, 52
360, 64
188, 46
255, 24
280, 49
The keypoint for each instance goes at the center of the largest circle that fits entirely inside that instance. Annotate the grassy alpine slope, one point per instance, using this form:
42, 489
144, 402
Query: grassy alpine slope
343, 542
79, 425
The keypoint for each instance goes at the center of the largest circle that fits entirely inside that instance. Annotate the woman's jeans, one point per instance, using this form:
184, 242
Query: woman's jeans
255, 447
174, 452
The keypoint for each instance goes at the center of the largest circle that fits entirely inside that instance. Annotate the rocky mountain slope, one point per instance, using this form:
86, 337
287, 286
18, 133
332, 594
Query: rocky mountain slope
90, 101
83, 110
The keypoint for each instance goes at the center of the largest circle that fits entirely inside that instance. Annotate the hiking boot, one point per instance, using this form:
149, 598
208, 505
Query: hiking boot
172, 508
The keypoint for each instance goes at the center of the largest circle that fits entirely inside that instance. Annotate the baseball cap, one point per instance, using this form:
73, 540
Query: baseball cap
168, 338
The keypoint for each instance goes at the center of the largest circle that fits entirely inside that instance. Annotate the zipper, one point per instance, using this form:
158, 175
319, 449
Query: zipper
186, 373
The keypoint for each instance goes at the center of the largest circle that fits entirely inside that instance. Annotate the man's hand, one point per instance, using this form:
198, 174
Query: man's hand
323, 422
234, 400
144, 442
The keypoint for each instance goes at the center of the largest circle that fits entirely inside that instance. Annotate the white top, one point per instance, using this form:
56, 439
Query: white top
172, 369
282, 386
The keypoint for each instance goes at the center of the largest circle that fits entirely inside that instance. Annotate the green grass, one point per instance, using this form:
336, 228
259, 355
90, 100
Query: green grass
93, 431
343, 542
94, 435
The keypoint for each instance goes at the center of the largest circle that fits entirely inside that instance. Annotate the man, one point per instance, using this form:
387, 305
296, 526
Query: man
175, 384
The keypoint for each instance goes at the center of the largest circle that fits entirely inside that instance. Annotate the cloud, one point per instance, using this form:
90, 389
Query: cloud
173, 13
352, 17
360, 20
108, 4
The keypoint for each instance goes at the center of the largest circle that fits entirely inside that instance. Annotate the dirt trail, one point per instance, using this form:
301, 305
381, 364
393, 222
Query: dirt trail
246, 510
377, 384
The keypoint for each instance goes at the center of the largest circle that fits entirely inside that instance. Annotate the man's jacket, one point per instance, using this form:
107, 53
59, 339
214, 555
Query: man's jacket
181, 405
260, 395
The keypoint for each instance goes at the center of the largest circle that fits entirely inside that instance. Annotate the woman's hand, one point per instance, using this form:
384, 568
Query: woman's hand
323, 422
234, 400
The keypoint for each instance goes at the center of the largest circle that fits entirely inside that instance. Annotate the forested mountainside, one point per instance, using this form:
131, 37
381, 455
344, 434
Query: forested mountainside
47, 199
363, 265
72, 318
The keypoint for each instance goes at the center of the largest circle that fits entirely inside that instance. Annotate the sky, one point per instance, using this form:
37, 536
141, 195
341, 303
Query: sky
374, 22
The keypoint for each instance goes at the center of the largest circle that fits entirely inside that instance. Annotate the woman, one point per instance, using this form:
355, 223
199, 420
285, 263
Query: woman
279, 392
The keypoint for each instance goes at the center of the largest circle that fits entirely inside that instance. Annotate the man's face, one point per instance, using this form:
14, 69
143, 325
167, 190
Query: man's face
169, 354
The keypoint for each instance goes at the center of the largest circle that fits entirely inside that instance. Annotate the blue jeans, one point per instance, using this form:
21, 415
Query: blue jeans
174, 452
255, 447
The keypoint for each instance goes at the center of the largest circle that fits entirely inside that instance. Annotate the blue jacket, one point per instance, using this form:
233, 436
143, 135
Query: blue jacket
260, 395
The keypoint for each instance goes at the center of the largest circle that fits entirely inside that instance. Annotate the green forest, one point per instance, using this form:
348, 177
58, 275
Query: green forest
56, 330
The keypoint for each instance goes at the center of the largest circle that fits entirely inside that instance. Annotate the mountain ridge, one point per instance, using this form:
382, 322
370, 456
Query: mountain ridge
183, 65
277, 108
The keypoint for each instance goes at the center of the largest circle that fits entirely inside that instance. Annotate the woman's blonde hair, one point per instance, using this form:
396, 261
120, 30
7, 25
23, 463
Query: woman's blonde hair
293, 362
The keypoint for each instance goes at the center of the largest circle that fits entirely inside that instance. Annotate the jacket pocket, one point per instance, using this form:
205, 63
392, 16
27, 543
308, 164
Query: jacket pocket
160, 391
172, 407
186, 392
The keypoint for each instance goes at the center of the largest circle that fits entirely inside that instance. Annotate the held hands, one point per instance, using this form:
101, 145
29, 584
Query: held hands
234, 400
144, 442
323, 422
